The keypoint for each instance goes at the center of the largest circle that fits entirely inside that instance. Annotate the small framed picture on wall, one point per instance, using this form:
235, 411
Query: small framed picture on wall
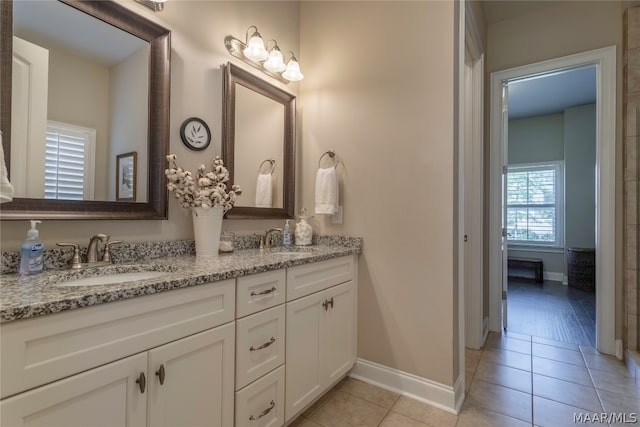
126, 174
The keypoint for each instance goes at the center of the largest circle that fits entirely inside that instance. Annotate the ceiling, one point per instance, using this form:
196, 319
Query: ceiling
53, 24
552, 93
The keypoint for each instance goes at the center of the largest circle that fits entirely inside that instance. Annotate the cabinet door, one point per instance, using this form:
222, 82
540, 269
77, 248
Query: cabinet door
304, 343
105, 396
338, 333
197, 384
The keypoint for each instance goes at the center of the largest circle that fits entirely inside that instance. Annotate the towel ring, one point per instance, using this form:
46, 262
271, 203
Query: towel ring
332, 154
272, 163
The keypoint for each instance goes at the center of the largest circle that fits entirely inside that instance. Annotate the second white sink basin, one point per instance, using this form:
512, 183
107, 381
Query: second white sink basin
113, 279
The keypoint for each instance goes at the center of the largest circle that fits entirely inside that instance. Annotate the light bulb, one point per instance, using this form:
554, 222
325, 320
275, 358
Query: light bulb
255, 48
275, 64
292, 72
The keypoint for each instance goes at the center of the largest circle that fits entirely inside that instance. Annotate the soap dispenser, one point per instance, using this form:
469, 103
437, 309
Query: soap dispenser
32, 258
304, 232
286, 234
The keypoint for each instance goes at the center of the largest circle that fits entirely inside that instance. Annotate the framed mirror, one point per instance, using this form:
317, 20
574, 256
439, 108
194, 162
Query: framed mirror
259, 145
104, 87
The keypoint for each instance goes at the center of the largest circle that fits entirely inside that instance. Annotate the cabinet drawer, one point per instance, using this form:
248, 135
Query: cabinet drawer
262, 400
260, 344
260, 291
309, 278
43, 349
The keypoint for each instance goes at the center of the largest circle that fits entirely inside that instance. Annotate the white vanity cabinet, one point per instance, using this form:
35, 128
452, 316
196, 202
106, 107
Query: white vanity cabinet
251, 351
196, 389
101, 366
321, 329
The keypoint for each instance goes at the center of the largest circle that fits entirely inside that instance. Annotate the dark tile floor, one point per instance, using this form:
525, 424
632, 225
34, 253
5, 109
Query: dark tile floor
552, 310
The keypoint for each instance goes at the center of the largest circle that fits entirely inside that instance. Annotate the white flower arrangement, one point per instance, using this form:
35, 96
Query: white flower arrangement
206, 190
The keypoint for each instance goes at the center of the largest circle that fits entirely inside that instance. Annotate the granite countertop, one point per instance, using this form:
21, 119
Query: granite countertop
26, 297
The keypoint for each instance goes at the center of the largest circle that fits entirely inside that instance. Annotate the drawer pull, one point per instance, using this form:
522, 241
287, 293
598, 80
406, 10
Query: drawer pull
268, 291
142, 382
160, 374
265, 412
327, 303
265, 345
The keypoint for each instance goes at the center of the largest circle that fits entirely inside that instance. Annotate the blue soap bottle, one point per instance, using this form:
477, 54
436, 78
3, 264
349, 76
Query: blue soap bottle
286, 234
32, 257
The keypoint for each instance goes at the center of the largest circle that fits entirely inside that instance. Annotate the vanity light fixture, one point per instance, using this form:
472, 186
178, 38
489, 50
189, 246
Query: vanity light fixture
155, 5
255, 49
292, 73
267, 59
275, 63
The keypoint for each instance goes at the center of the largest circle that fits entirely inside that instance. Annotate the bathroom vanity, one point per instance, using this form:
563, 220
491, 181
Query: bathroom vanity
253, 335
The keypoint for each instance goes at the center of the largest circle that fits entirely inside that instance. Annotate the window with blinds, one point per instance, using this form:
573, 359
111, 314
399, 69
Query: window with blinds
68, 162
534, 204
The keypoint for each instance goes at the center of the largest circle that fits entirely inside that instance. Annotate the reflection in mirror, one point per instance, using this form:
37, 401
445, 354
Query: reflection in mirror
259, 145
79, 94
259, 138
103, 85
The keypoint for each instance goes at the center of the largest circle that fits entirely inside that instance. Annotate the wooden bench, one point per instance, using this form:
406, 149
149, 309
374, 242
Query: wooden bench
535, 264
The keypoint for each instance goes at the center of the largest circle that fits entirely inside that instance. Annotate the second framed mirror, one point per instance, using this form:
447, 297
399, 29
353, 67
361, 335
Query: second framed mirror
259, 144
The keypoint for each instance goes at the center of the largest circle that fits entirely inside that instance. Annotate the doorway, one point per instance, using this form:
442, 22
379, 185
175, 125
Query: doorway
603, 62
550, 205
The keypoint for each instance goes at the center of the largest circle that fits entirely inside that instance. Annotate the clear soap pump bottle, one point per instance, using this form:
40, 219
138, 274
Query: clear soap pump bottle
32, 258
304, 232
286, 234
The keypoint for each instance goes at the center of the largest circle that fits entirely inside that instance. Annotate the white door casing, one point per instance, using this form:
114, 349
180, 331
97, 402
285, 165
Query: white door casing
472, 162
30, 85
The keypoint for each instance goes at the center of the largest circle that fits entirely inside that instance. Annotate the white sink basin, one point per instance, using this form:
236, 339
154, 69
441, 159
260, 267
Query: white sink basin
295, 250
113, 279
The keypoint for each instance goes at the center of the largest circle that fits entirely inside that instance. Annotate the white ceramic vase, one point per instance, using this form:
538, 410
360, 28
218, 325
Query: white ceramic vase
207, 224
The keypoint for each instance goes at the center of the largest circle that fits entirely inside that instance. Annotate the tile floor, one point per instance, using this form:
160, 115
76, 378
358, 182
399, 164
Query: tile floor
516, 380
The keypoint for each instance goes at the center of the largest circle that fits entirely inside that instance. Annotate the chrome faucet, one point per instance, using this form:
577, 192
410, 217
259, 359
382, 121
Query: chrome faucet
92, 250
268, 236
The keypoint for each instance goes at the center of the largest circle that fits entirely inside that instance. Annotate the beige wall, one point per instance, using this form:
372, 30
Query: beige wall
388, 113
79, 95
565, 28
128, 93
259, 136
197, 39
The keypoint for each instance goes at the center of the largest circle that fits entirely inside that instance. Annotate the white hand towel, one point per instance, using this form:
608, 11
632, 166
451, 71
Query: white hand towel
6, 189
327, 191
264, 191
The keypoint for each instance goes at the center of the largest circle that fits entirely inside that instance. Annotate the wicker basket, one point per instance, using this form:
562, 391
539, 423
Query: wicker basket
581, 268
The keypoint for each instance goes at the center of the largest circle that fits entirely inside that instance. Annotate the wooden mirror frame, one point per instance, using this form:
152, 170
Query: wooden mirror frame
159, 39
234, 75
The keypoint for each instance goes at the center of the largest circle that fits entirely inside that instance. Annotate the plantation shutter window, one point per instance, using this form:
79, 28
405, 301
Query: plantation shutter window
69, 152
534, 204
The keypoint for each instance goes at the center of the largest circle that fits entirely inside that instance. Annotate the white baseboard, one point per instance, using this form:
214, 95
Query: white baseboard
557, 277
433, 393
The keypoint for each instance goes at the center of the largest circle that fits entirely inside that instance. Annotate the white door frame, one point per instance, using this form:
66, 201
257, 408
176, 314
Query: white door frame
605, 61
476, 328
469, 119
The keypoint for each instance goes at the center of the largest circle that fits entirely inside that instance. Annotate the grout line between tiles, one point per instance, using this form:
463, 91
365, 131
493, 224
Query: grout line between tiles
532, 390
